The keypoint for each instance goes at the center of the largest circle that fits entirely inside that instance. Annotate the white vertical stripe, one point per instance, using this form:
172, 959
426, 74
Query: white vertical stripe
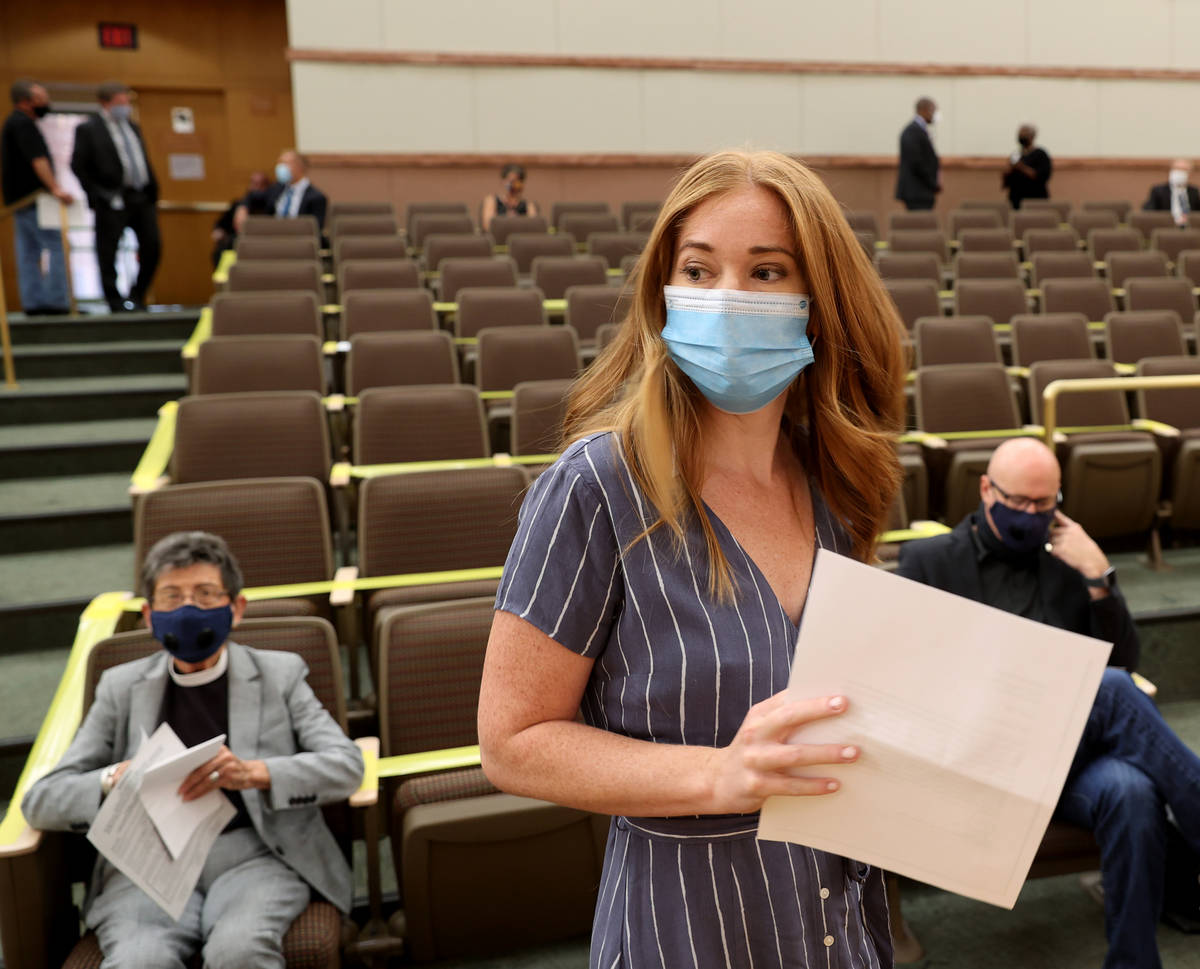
716, 652
653, 911
737, 887
687, 915
587, 648
717, 903
799, 904
546, 481
824, 922
751, 568
550, 545
770, 901
618, 884
583, 556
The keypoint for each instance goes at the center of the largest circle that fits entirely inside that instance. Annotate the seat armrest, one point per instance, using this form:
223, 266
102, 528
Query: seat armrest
368, 791
1157, 428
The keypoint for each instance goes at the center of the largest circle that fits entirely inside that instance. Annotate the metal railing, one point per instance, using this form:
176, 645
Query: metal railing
1057, 388
10, 375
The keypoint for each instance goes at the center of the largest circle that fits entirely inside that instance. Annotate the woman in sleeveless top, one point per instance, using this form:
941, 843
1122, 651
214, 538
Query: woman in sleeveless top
742, 419
510, 200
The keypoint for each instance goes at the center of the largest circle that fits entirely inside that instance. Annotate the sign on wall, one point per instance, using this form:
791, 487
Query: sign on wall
118, 36
183, 122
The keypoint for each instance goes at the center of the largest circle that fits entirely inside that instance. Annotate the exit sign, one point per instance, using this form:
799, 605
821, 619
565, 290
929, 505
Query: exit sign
118, 36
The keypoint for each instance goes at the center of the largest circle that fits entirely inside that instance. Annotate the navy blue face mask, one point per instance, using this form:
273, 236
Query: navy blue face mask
1021, 531
192, 634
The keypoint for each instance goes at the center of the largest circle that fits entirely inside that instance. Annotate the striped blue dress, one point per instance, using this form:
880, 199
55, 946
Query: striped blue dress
674, 666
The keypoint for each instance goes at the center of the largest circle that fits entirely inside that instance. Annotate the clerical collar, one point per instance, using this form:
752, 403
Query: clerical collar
200, 677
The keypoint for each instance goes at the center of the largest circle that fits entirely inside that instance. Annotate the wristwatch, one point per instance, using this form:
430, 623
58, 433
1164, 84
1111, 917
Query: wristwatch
1106, 580
107, 779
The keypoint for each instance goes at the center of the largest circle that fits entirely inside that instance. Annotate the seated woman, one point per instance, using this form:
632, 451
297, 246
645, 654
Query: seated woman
742, 419
510, 200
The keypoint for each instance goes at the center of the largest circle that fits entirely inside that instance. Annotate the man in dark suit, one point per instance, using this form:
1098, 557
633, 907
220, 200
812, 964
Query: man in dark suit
919, 178
1017, 552
111, 162
1175, 195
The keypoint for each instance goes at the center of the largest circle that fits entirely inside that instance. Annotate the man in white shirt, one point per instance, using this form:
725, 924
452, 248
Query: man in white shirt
292, 194
1176, 195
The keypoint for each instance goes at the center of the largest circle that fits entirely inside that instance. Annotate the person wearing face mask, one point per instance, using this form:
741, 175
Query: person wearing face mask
510, 200
1176, 195
112, 164
1028, 169
26, 167
919, 175
284, 757
292, 194
1019, 553
661, 567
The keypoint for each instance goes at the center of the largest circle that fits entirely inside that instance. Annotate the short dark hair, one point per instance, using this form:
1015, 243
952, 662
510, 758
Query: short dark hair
925, 103
22, 89
181, 549
513, 167
109, 90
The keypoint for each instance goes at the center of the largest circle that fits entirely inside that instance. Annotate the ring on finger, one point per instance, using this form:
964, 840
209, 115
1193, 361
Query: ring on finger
214, 777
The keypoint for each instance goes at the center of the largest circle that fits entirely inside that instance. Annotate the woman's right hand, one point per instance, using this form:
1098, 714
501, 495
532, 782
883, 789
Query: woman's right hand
760, 761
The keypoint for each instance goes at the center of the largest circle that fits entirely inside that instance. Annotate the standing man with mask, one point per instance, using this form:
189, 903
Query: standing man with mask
26, 167
919, 177
1176, 195
1018, 553
112, 164
1028, 170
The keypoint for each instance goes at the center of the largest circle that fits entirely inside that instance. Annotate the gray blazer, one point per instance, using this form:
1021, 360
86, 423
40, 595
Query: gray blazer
274, 716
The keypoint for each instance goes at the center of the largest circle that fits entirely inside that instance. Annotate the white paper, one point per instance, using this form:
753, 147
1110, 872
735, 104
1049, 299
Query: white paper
967, 719
173, 817
125, 835
49, 212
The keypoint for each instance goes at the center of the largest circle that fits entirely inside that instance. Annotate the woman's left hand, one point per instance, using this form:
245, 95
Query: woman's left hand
226, 770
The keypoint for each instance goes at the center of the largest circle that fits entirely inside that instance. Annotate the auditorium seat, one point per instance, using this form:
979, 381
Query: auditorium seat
867, 240
439, 247
1038, 241
539, 408
1025, 219
270, 274
1002, 209
458, 272
1061, 207
560, 210
1147, 222
919, 240
1171, 242
511, 354
1120, 208
482, 306
639, 216
863, 221
1187, 264
1103, 241
368, 247
503, 226
615, 246
354, 274
914, 298
427, 224
1121, 265
987, 265
1085, 222
1061, 265
422, 422
955, 339
525, 247
245, 364
554, 275
302, 248
373, 310
1135, 334
973, 219
415, 209
400, 359
592, 306
899, 221
583, 224
1091, 297
270, 225
363, 225
1180, 408
1171, 293
605, 335
267, 312
1050, 336
909, 265
1000, 299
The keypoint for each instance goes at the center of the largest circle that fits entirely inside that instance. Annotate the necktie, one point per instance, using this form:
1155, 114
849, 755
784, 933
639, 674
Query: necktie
285, 206
134, 177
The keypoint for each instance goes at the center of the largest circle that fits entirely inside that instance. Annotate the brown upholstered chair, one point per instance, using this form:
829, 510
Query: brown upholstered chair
421, 422
503, 226
1037, 241
1023, 220
1091, 297
273, 434
1120, 208
525, 247
985, 240
1002, 209
277, 247
1061, 265
560, 210
1119, 266
1050, 336
1111, 479
242, 364
955, 339
415, 209
583, 224
1172, 241
361, 208
904, 221
866, 240
554, 275
382, 310
482, 306
962, 219
400, 359
909, 265
455, 246
270, 225
1187, 264
1135, 334
368, 247
355, 274
919, 240
615, 246
999, 299
424, 225
590, 307
457, 273
914, 298
1085, 221
606, 334
639, 216
1061, 207
1147, 222
268, 274
539, 408
1100, 242
509, 355
1172, 293
375, 224
1181, 409
863, 221
271, 312
987, 265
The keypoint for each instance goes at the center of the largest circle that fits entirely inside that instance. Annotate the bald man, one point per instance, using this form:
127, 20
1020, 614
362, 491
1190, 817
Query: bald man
1176, 195
1019, 553
919, 172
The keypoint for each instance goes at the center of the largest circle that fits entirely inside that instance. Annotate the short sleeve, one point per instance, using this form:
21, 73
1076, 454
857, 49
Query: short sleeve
31, 143
563, 570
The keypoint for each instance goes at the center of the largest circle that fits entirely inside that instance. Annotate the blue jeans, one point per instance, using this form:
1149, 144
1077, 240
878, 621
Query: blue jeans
39, 292
1129, 765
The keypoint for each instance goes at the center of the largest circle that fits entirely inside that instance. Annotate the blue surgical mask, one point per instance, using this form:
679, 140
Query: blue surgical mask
283, 174
1021, 531
741, 349
122, 112
190, 633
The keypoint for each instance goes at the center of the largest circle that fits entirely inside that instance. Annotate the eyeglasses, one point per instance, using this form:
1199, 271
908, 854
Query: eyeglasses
1024, 503
204, 596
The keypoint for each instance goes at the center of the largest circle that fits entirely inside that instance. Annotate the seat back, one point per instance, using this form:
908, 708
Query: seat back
377, 274
912, 220
480, 307
1091, 297
1049, 240
243, 364
1091, 409
368, 247
424, 225
510, 355
615, 246
987, 265
525, 247
1147, 222
270, 225
918, 240
1061, 265
863, 221
1136, 334
269, 274
452, 246
375, 310
606, 334
415, 209
1187, 264
1171, 241
1050, 336
955, 339
639, 216
439, 422
1002, 209
591, 307
560, 210
985, 240
1000, 299
436, 521
377, 224
1103, 241
302, 248
400, 359
1060, 207
457, 273
583, 224
503, 226
259, 314
1171, 293
539, 409
909, 265
554, 275
1121, 265
1023, 220
1084, 222
973, 219
259, 435
1179, 407
1120, 208
277, 528
965, 397
361, 208
914, 298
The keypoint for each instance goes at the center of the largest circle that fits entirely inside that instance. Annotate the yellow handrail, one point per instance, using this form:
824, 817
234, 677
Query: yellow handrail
10, 372
1080, 385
